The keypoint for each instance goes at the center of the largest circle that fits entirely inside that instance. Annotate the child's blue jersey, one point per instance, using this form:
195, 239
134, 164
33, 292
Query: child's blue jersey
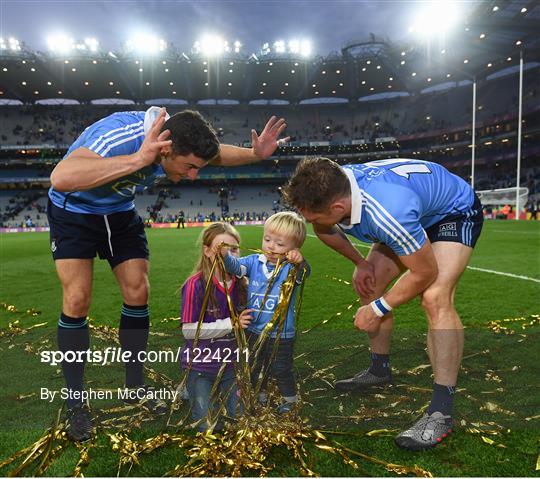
115, 135
394, 201
259, 272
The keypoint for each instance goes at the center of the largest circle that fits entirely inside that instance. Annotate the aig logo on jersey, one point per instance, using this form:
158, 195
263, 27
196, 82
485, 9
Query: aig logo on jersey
269, 304
448, 229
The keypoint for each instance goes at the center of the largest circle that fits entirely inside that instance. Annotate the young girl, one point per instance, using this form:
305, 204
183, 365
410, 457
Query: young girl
215, 341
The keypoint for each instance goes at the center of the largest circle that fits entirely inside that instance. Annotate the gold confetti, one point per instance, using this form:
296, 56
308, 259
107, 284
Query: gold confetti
503, 325
382, 432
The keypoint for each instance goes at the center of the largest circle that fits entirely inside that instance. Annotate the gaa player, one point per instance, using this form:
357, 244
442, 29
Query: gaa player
423, 221
91, 211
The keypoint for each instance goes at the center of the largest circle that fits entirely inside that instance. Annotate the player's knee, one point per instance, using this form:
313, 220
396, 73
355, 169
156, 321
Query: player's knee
76, 303
137, 293
366, 299
434, 300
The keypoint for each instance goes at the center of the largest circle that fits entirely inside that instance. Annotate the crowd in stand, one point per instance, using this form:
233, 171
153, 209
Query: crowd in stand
234, 217
22, 201
49, 126
390, 118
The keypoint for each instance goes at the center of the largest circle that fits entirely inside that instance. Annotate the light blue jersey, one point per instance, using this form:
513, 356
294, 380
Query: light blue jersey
115, 135
259, 272
394, 201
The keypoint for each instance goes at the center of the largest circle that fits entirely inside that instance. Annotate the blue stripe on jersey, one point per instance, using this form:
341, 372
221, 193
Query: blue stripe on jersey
402, 236
388, 229
135, 134
104, 139
118, 134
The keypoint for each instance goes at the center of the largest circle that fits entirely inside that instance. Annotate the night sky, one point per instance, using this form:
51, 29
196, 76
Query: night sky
328, 24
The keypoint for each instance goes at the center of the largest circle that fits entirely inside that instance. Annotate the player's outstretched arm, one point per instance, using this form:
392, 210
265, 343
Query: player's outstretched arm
263, 145
84, 169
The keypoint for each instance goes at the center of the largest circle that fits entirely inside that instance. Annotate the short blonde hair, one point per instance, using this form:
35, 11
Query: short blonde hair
288, 224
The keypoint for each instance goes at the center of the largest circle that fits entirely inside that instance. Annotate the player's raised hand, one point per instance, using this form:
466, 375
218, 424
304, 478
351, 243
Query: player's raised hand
265, 144
154, 141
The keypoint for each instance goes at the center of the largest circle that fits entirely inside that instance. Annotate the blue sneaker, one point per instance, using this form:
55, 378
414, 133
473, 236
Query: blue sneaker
286, 407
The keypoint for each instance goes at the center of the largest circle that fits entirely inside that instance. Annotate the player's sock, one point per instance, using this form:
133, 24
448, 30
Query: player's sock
380, 365
73, 336
134, 327
442, 399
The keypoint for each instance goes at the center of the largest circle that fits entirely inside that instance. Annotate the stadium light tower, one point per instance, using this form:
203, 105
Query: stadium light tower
436, 18
92, 44
146, 44
60, 43
305, 48
10, 46
214, 46
279, 46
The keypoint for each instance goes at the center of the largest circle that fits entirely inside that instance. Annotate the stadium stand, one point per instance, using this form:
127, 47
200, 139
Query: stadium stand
419, 113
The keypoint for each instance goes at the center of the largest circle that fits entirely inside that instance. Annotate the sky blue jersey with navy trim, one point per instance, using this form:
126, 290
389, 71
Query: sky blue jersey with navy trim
394, 201
118, 134
259, 272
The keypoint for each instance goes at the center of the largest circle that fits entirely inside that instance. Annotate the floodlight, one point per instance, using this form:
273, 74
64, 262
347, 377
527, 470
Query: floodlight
294, 46
279, 46
237, 46
305, 48
12, 44
92, 44
147, 44
60, 43
437, 17
211, 45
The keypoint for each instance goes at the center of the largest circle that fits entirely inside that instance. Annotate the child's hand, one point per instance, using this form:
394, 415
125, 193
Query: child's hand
221, 250
245, 318
294, 256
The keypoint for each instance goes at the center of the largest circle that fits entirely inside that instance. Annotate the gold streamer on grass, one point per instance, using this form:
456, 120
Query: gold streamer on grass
390, 467
14, 328
505, 325
10, 308
41, 453
244, 448
84, 457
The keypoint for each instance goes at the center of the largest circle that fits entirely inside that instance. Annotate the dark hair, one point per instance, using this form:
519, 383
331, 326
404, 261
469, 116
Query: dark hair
191, 133
315, 184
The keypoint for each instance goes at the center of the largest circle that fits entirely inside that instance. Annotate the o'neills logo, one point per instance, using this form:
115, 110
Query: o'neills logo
53, 246
448, 229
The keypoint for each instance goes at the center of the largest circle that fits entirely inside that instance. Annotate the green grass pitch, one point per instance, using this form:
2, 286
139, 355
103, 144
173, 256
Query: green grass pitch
498, 385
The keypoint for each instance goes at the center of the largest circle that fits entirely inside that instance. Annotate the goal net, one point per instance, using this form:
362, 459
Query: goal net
503, 196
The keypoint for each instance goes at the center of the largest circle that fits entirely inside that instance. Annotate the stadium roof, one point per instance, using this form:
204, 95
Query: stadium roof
494, 35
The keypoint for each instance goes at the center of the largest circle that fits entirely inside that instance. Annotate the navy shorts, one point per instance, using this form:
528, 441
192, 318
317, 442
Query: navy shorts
464, 228
116, 237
